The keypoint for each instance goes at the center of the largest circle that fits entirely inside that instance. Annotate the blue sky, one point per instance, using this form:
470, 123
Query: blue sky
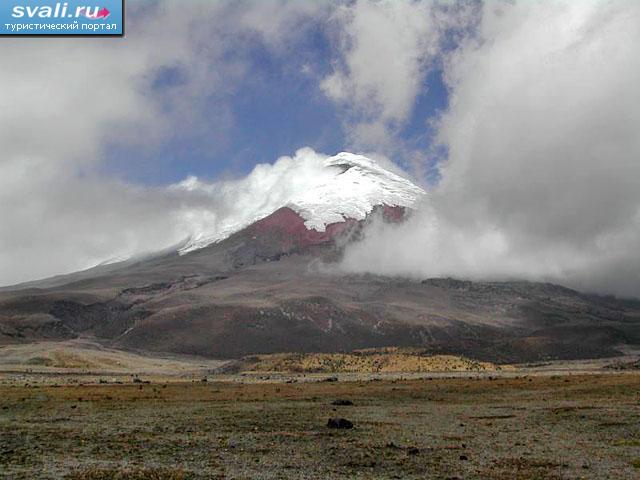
272, 111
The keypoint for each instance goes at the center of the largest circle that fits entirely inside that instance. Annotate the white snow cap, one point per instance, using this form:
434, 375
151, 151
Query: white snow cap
356, 185
321, 189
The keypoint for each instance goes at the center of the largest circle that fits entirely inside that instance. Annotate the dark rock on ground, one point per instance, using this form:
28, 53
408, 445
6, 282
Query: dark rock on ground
339, 423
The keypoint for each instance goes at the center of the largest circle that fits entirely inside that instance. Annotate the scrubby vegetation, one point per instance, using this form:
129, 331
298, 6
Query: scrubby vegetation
382, 360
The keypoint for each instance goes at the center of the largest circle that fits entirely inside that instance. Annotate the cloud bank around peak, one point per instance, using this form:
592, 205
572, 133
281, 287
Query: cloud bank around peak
542, 178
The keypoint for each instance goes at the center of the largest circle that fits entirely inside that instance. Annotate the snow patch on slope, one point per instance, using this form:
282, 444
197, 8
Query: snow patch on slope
321, 189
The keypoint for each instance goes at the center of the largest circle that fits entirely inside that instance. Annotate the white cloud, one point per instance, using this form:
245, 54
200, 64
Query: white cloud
386, 46
542, 178
277, 22
386, 49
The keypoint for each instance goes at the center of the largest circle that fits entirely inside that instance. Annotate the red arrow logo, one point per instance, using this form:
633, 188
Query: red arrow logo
103, 13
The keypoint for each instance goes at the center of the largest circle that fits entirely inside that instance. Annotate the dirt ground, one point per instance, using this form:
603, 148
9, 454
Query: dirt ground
531, 427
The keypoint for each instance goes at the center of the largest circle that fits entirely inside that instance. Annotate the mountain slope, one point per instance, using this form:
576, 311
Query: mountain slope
208, 304
275, 286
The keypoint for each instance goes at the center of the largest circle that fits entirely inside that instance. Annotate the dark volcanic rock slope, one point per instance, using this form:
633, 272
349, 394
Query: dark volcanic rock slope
269, 288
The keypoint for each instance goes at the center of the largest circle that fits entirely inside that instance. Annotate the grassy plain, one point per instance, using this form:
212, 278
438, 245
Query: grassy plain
472, 427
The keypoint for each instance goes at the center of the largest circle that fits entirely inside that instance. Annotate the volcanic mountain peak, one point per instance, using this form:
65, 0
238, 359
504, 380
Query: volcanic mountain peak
358, 185
333, 189
267, 286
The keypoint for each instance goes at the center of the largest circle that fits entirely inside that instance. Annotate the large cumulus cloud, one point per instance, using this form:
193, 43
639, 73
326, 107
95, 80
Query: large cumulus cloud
542, 177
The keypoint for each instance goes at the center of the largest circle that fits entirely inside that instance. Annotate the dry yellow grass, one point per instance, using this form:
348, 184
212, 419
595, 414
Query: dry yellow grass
78, 357
388, 360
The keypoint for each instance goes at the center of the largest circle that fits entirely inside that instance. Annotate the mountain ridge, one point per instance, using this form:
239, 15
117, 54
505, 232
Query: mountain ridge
276, 286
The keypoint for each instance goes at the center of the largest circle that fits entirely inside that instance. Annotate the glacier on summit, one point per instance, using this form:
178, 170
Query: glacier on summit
322, 190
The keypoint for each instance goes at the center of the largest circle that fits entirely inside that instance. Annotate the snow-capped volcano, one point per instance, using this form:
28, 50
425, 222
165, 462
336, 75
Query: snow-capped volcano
321, 190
